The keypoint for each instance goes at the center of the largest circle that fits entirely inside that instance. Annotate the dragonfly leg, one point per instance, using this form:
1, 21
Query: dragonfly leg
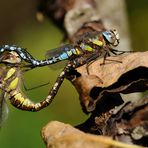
104, 58
91, 60
87, 67
107, 55
119, 52
35, 87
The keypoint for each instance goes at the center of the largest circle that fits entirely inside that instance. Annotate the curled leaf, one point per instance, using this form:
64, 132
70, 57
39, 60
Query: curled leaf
126, 73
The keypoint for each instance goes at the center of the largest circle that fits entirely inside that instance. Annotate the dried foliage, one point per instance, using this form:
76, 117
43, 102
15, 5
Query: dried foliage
60, 135
99, 85
130, 124
126, 73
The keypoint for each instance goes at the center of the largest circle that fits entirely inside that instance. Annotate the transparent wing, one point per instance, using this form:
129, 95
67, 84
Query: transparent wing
3, 108
57, 52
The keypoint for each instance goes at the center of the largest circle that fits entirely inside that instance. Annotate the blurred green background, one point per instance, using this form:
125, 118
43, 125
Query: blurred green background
18, 26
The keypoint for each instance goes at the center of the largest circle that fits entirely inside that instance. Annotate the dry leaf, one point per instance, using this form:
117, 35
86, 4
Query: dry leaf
111, 78
60, 135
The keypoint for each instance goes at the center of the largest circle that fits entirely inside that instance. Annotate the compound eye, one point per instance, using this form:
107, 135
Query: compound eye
112, 37
109, 36
10, 57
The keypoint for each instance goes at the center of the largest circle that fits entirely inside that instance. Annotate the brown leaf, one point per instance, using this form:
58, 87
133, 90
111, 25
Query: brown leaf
130, 124
127, 76
60, 135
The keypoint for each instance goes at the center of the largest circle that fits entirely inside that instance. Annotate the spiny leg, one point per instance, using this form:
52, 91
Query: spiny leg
107, 54
104, 58
111, 59
119, 52
35, 87
89, 62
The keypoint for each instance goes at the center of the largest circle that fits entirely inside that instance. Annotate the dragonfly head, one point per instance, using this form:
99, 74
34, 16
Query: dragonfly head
10, 57
112, 37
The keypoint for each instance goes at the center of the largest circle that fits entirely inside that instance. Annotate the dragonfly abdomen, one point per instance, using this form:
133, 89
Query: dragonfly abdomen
18, 99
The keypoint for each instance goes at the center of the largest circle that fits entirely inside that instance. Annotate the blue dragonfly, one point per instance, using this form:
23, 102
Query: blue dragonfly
86, 46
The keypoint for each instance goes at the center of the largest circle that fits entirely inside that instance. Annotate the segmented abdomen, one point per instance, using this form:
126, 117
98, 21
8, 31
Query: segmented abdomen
10, 85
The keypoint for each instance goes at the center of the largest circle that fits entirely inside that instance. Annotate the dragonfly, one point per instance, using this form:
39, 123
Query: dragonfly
88, 46
11, 70
12, 58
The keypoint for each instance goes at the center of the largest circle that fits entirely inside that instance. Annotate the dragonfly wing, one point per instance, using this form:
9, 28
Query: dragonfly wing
3, 108
53, 52
57, 52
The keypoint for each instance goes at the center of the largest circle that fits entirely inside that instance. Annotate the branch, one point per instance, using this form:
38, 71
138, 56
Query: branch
60, 135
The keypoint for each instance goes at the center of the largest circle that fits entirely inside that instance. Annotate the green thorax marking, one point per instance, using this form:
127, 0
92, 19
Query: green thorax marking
96, 40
